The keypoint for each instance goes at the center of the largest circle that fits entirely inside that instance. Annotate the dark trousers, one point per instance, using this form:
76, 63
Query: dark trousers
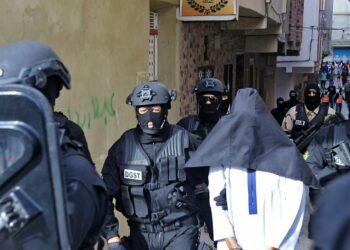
205, 215
338, 107
183, 238
332, 101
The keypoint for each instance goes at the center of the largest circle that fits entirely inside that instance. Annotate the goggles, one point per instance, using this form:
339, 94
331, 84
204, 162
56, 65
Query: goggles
205, 99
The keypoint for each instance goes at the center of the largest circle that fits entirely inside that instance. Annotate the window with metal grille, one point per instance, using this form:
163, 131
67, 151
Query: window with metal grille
153, 47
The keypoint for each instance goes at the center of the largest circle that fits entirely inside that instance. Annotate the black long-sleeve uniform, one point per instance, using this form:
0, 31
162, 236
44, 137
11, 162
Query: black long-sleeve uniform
145, 176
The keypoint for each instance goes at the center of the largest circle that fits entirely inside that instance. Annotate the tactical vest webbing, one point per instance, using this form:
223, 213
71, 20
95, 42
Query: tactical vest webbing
302, 122
69, 146
196, 128
146, 188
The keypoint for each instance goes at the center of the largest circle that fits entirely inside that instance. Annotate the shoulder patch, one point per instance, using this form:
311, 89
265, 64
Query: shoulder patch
306, 155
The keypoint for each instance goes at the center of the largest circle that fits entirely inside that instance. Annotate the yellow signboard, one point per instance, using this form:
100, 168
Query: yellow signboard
201, 10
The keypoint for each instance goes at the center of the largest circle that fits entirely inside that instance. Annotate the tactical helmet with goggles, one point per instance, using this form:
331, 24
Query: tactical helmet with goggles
151, 93
31, 63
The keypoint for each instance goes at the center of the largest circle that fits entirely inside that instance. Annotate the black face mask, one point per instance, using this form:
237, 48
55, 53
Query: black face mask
158, 120
312, 102
209, 112
51, 90
280, 105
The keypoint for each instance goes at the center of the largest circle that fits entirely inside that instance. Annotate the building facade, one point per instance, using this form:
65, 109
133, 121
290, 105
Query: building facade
307, 40
241, 53
341, 31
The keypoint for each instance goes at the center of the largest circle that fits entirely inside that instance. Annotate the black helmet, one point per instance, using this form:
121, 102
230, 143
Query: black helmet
210, 85
151, 93
30, 63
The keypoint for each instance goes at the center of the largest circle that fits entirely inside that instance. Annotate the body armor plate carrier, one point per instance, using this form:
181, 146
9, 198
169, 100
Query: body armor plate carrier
158, 192
302, 122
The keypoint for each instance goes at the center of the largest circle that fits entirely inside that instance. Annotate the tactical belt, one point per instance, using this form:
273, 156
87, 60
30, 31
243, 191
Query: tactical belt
203, 196
156, 228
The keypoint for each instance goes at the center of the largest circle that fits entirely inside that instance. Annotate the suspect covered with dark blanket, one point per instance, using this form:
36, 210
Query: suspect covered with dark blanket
265, 177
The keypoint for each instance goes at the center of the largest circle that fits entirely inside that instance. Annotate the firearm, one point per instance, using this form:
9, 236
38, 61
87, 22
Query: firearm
306, 136
338, 162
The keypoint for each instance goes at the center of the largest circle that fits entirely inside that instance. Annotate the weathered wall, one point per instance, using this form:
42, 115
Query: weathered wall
220, 51
104, 44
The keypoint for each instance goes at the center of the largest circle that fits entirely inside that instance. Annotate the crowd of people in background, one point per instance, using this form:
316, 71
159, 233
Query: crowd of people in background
334, 87
335, 73
318, 125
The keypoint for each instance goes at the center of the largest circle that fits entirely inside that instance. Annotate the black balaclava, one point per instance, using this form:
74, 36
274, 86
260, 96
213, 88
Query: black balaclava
52, 89
209, 113
312, 102
280, 103
158, 119
293, 96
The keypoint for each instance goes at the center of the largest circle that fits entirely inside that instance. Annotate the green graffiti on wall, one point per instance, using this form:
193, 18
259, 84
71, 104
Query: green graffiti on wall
100, 109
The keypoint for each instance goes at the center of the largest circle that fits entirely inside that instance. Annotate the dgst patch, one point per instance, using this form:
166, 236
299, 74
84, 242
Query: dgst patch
299, 122
132, 174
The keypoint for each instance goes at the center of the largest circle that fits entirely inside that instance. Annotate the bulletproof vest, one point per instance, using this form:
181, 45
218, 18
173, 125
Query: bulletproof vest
302, 123
70, 149
68, 145
74, 132
197, 128
147, 190
32, 204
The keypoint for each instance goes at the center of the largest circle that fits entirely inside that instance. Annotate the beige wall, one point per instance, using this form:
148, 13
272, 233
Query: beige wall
104, 44
169, 43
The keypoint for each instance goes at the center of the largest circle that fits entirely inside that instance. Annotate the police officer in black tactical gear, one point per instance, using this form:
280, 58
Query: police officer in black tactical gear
71, 129
33, 64
279, 112
144, 173
300, 117
328, 154
209, 93
292, 101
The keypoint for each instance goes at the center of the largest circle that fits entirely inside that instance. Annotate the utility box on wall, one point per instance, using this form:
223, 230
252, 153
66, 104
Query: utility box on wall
153, 46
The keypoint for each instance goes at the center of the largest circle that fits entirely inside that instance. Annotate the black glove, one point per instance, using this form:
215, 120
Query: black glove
116, 246
220, 200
